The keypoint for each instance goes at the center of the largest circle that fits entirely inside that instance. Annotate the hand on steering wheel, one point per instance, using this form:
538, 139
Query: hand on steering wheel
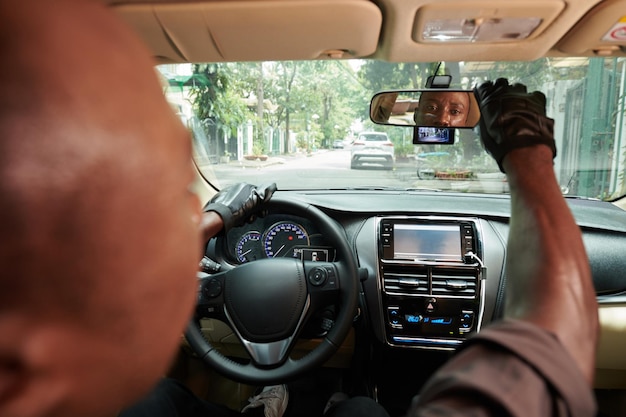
238, 203
268, 302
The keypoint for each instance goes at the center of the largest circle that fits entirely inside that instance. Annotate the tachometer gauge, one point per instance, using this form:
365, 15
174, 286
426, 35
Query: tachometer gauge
248, 247
283, 240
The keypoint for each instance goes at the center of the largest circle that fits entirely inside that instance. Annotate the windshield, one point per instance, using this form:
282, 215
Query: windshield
305, 124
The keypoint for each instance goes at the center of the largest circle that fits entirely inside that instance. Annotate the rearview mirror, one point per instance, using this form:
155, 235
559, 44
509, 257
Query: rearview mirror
432, 108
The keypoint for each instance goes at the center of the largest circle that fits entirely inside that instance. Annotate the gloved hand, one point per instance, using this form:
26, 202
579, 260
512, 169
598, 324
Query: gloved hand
239, 203
511, 118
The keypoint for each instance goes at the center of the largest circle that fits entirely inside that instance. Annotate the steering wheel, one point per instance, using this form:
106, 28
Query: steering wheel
268, 302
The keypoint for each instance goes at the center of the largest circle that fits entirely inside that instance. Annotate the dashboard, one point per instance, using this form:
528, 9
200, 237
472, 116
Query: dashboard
432, 265
277, 235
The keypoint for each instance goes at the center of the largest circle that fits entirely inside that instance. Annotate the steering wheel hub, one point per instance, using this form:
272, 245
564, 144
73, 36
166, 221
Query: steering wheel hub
266, 303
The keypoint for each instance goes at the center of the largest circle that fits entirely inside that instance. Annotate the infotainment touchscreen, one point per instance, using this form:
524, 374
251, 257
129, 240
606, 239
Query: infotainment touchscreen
427, 241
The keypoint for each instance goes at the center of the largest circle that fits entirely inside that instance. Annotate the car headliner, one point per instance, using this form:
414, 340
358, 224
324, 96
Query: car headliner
218, 31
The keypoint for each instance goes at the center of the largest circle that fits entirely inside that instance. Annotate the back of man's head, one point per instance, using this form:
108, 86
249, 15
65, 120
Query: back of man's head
99, 240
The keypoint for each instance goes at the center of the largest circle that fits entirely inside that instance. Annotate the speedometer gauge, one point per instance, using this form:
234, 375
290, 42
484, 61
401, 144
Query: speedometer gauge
283, 240
248, 247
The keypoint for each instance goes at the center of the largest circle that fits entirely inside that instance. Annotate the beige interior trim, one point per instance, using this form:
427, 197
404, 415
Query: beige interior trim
254, 30
590, 35
226, 342
487, 9
398, 44
610, 357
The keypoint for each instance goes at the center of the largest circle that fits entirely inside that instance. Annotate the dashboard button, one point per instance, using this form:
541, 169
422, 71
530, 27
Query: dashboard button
394, 317
431, 305
466, 321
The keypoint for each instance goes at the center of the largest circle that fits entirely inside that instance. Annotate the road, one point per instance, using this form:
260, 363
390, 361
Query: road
324, 169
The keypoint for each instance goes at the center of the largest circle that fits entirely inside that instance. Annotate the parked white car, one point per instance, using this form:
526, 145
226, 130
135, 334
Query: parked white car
372, 148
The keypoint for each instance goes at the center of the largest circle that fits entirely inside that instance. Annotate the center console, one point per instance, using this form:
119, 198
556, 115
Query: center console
430, 275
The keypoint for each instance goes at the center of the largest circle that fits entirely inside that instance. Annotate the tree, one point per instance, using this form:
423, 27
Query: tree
320, 99
377, 75
214, 101
311, 98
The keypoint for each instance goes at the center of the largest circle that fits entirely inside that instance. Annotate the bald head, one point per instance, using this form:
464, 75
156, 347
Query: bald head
80, 114
99, 238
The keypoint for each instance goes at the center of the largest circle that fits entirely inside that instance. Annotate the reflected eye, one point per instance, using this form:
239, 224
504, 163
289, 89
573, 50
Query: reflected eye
431, 107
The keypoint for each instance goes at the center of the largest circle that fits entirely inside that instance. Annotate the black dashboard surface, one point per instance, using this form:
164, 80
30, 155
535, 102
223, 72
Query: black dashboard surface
360, 212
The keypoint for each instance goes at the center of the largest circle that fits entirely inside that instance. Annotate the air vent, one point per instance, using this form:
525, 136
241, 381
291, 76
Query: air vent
411, 281
453, 283
403, 280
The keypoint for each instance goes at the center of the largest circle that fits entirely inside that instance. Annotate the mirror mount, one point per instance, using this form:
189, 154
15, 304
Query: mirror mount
438, 81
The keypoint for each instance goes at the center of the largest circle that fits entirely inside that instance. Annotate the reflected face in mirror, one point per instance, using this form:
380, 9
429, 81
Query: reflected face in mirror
446, 109
426, 108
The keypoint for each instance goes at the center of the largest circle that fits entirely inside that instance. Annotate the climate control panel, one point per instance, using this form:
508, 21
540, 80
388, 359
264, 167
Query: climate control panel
430, 274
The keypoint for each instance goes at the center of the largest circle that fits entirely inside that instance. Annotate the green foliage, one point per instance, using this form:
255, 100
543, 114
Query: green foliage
212, 96
321, 100
377, 75
533, 74
258, 148
404, 150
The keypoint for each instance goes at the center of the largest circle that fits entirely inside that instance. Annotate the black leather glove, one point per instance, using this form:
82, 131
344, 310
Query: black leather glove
512, 118
239, 203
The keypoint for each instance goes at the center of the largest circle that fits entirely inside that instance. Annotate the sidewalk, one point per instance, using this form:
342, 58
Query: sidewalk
272, 160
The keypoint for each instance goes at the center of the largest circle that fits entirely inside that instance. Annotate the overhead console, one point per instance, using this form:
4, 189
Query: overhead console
430, 275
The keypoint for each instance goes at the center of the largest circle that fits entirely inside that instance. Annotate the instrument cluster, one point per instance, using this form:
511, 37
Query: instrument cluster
278, 236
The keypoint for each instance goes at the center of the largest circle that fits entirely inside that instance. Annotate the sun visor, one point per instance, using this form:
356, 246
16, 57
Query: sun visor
602, 32
255, 30
142, 19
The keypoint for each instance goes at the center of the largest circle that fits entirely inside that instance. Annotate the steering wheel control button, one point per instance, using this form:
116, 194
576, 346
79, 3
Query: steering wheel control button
213, 288
318, 276
332, 279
